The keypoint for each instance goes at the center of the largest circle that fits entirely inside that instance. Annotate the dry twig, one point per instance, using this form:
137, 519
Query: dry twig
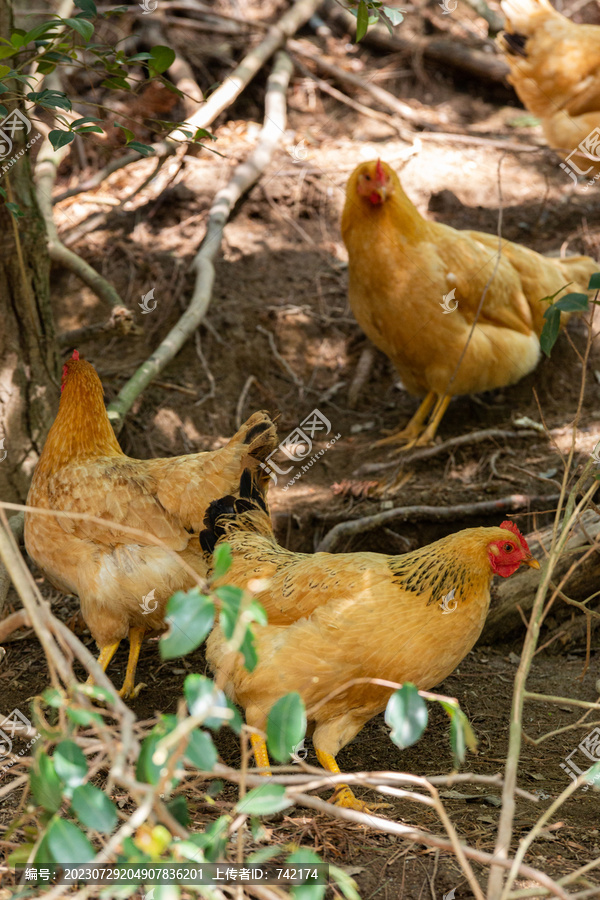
245, 175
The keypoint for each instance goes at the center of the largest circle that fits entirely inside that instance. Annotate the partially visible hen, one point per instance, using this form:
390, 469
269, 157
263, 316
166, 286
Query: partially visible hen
555, 70
415, 288
333, 618
82, 469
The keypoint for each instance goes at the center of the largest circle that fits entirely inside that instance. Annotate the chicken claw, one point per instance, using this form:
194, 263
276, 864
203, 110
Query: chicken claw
344, 798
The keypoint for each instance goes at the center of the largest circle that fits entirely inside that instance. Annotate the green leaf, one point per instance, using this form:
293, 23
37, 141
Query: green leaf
82, 26
95, 692
346, 884
88, 6
38, 32
179, 810
231, 602
161, 58
594, 284
85, 121
66, 843
94, 809
394, 15
129, 135
550, 330
144, 149
571, 303
86, 129
202, 695
214, 840
70, 763
117, 83
60, 139
15, 209
50, 99
4, 70
83, 716
362, 20
305, 859
190, 617
222, 560
201, 751
264, 800
45, 784
406, 714
7, 51
551, 297
248, 651
53, 697
265, 853
147, 769
462, 735
286, 726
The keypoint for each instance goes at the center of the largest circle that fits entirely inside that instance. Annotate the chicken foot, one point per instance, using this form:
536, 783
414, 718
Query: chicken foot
343, 796
415, 427
416, 433
129, 689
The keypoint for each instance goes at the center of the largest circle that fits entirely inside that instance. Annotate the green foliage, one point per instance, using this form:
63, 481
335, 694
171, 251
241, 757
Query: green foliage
304, 858
190, 616
286, 726
221, 561
569, 303
264, 800
462, 736
64, 842
406, 714
369, 12
93, 808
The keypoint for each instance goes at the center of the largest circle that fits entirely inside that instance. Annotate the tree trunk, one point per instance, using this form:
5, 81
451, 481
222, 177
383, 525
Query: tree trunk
28, 351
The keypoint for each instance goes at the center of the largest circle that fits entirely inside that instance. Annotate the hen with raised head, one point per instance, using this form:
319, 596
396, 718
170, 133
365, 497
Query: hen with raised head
123, 582
403, 268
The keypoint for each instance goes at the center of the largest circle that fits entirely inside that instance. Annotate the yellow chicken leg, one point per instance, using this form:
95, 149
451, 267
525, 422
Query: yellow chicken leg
414, 428
426, 437
106, 654
260, 753
343, 796
129, 689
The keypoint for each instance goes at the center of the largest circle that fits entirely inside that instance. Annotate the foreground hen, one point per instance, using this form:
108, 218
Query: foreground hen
402, 269
555, 70
124, 582
337, 617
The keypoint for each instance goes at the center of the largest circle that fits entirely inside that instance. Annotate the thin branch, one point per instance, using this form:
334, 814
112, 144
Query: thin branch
46, 168
513, 503
244, 177
235, 83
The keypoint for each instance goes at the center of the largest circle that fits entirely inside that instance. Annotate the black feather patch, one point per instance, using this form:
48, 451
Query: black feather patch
253, 432
515, 43
208, 541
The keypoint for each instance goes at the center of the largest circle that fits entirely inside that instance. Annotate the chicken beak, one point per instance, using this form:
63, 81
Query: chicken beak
531, 561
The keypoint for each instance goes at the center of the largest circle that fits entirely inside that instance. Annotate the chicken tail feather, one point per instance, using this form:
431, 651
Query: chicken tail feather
260, 434
247, 512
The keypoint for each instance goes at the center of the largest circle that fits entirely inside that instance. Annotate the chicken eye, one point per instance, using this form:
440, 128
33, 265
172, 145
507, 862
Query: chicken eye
508, 548
367, 177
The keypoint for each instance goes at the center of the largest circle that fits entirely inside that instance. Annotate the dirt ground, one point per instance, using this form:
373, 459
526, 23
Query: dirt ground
280, 314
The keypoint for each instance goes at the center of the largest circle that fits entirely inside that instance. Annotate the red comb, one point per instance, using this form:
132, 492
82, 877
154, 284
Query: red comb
510, 526
380, 171
75, 354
